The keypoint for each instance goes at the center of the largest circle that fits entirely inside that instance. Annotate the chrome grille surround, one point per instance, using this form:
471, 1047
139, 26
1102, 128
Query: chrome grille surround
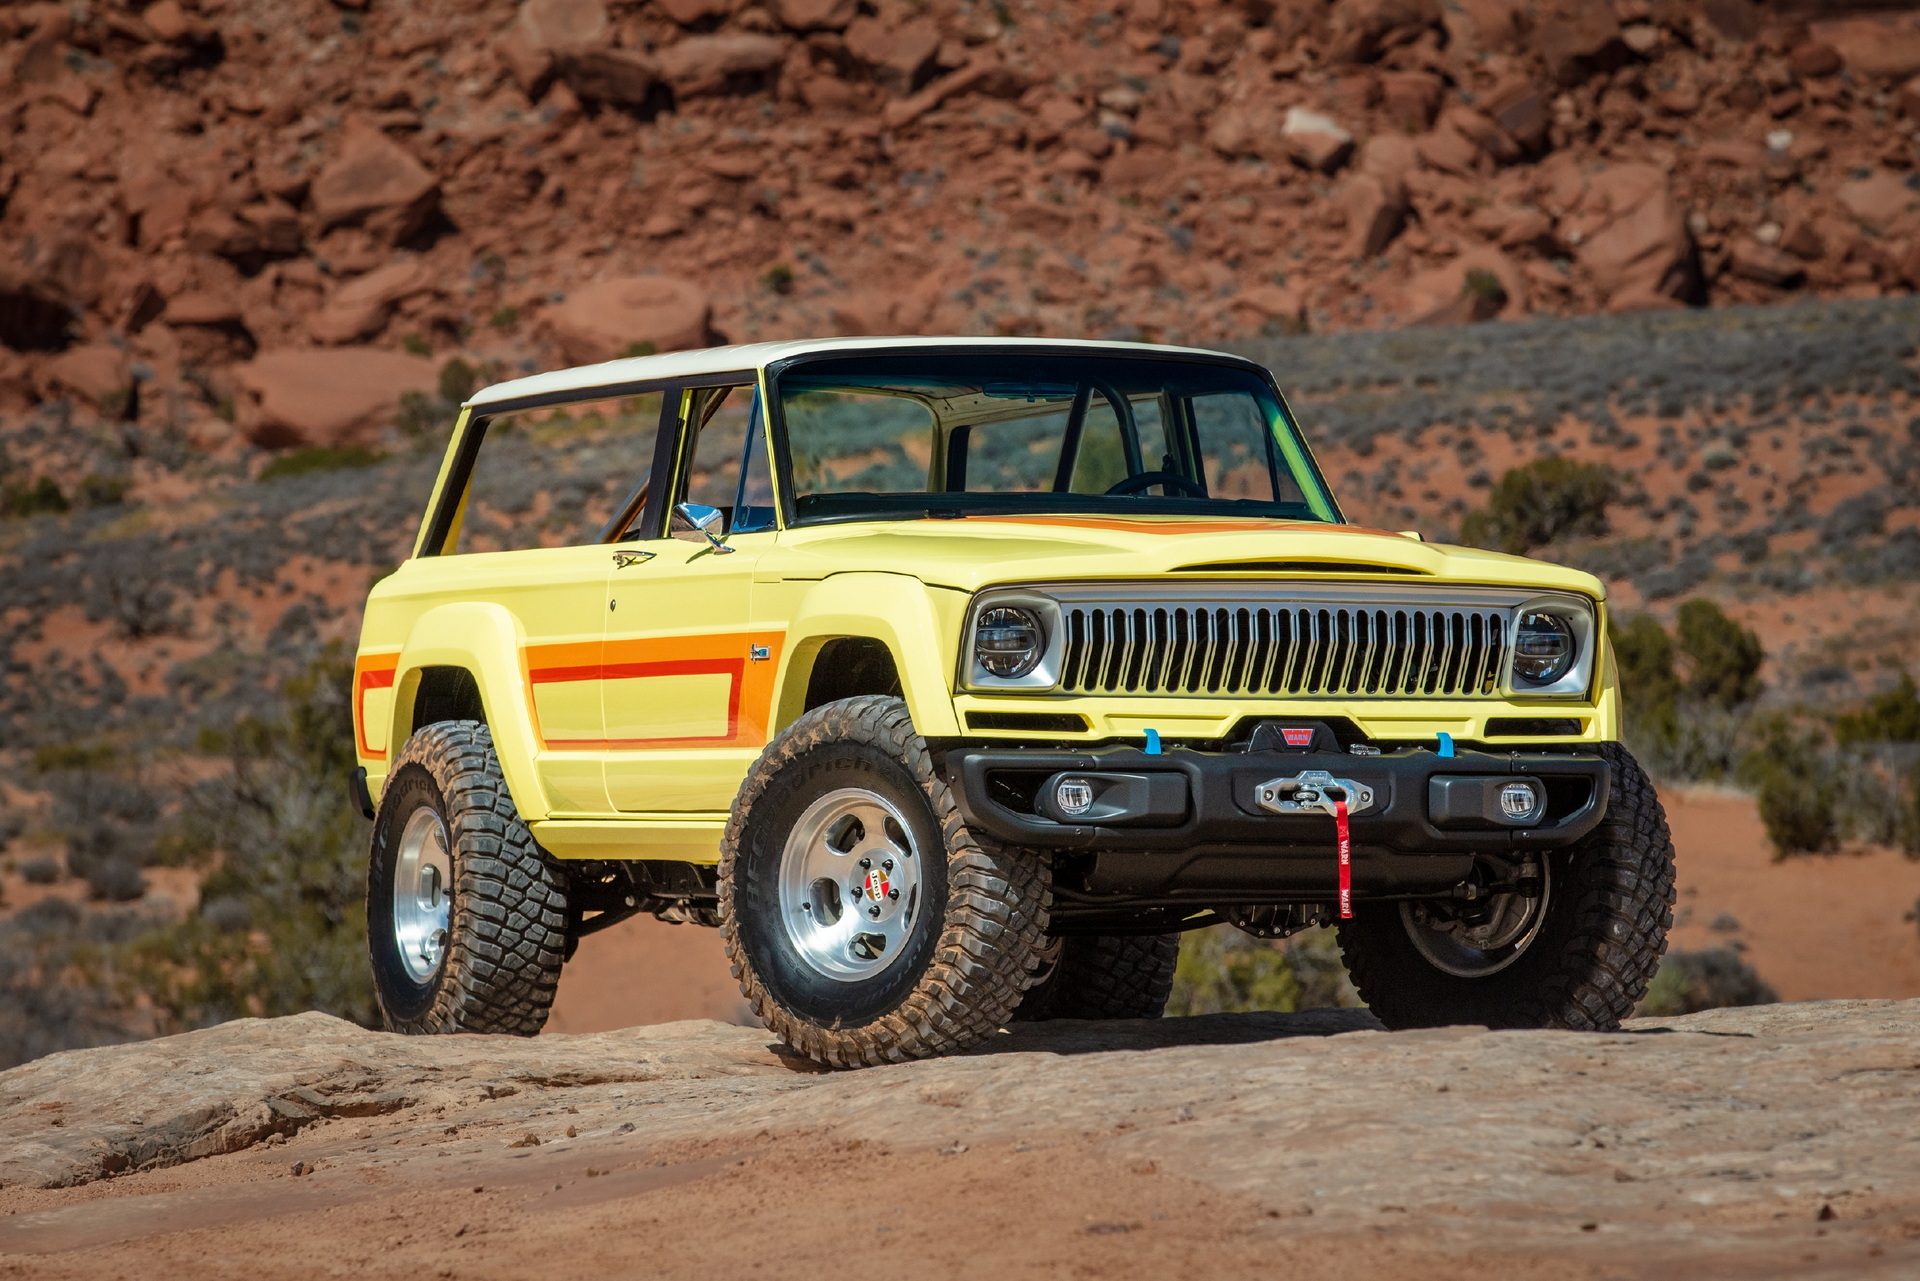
1288, 640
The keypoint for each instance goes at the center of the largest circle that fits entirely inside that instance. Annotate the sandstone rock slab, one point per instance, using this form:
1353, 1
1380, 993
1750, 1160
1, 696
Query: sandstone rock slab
330, 398
361, 307
597, 322
375, 182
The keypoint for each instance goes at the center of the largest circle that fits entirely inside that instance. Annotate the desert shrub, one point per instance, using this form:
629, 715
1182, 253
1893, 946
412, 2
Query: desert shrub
1543, 502
1688, 982
1797, 788
1691, 728
22, 499
1906, 835
1649, 687
134, 585
117, 880
301, 462
1892, 717
101, 491
1223, 971
1724, 658
40, 871
457, 381
58, 982
105, 811
286, 852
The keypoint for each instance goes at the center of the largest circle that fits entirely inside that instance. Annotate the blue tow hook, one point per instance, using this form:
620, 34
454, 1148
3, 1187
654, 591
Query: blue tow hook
1446, 745
1153, 743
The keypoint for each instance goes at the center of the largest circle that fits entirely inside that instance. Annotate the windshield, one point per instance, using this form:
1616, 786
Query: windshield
900, 436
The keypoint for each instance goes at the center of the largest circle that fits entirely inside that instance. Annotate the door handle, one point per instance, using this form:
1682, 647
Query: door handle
623, 559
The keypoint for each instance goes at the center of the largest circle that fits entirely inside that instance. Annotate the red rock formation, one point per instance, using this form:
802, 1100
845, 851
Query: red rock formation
196, 185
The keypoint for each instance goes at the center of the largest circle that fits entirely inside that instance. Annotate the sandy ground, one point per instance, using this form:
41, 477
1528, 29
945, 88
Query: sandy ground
1814, 927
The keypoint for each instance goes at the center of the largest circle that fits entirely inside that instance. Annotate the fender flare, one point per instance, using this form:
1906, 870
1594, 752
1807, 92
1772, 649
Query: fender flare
486, 640
915, 623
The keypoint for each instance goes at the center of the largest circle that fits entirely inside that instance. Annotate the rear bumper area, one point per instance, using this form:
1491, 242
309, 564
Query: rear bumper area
1190, 822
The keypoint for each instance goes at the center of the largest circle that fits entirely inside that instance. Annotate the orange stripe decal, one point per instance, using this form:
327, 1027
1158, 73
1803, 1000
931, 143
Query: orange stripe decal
370, 671
749, 684
1151, 525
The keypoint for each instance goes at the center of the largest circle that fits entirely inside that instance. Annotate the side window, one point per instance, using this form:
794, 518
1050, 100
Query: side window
753, 504
726, 465
553, 477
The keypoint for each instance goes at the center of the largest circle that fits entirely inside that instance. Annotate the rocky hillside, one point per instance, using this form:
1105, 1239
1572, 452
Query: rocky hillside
1777, 1141
264, 212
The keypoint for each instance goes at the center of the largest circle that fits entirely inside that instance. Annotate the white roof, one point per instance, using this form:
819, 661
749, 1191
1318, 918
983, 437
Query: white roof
721, 360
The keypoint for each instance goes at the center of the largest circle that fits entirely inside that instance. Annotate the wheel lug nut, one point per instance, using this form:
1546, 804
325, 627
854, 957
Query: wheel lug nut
893, 893
886, 865
866, 862
874, 911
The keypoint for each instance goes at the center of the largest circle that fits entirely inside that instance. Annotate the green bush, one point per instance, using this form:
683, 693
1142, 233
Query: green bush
101, 491
457, 381
1649, 687
1688, 982
1797, 787
1892, 717
283, 927
1907, 830
300, 462
1543, 502
44, 495
1724, 657
1223, 971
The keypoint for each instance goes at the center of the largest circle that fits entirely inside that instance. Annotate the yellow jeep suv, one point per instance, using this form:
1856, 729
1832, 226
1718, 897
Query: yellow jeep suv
951, 679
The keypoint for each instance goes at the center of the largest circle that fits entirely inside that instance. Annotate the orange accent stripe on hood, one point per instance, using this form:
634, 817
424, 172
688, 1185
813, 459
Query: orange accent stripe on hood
1152, 525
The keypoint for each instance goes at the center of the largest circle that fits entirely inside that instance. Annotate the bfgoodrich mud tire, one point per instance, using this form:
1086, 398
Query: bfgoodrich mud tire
923, 948
1102, 976
472, 941
1609, 906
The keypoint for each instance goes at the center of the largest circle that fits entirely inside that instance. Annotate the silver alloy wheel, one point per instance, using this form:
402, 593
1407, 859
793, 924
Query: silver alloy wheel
849, 884
422, 895
1475, 951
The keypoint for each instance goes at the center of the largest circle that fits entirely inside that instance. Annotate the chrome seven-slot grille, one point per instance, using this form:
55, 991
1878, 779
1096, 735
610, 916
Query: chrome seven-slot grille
1398, 649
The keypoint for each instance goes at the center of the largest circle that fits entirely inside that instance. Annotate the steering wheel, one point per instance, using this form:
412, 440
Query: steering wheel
1148, 479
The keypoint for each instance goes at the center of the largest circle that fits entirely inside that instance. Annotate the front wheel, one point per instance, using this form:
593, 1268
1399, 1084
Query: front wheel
1577, 952
466, 915
864, 922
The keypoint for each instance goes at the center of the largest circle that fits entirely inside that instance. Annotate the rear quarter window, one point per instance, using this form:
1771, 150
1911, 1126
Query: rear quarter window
553, 477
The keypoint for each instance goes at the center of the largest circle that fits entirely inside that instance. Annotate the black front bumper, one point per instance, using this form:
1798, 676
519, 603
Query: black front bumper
1190, 823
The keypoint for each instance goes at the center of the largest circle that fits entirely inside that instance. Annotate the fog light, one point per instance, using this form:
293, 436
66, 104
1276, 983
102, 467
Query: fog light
1519, 802
1073, 795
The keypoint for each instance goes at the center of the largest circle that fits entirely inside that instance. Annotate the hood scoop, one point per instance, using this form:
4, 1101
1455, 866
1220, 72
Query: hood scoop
1296, 567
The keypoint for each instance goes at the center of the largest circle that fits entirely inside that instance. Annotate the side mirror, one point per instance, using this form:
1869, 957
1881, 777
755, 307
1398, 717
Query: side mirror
702, 519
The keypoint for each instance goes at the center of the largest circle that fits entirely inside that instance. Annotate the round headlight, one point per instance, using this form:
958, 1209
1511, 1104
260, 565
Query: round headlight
1008, 641
1544, 648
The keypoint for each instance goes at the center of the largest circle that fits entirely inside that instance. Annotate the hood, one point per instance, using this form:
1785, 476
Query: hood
973, 552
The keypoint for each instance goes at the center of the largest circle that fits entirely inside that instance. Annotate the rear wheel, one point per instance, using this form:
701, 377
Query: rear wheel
1577, 954
864, 921
466, 915
1102, 976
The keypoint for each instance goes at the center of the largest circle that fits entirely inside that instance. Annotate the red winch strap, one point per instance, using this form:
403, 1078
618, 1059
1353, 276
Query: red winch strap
1346, 859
